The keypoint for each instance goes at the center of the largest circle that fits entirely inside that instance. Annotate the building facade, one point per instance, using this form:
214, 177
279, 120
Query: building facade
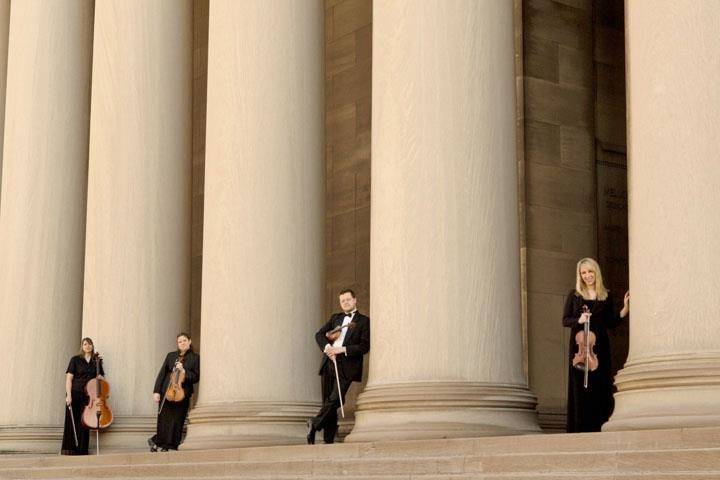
205, 166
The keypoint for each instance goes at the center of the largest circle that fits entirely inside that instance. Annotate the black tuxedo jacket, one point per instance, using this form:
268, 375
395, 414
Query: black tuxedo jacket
357, 344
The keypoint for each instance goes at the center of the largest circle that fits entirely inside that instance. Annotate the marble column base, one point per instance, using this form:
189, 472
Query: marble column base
244, 424
675, 391
129, 433
126, 434
443, 410
30, 439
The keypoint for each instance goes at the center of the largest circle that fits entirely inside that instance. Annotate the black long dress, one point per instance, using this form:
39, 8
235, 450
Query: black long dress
171, 418
82, 372
588, 409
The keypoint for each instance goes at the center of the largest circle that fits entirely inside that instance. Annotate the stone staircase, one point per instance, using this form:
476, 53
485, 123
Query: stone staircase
662, 454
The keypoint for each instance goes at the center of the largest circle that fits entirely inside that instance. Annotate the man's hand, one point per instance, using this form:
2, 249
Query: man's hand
334, 351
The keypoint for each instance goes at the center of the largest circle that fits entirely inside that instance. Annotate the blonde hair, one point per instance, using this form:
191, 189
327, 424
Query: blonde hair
581, 288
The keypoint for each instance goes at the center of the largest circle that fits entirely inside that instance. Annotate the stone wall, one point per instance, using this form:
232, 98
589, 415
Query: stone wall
559, 181
348, 58
611, 155
348, 79
201, 11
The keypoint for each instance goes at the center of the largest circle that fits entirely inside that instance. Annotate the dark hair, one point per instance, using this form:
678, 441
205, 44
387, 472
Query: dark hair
89, 340
186, 335
347, 290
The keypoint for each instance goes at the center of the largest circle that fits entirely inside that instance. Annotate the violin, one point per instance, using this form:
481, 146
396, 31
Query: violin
97, 414
175, 391
335, 333
585, 359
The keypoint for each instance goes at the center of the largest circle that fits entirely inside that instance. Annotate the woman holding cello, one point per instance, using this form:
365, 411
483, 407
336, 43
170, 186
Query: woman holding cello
173, 389
81, 369
590, 396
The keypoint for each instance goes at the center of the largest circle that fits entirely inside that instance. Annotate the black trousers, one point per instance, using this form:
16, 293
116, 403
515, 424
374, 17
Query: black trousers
327, 419
79, 401
170, 424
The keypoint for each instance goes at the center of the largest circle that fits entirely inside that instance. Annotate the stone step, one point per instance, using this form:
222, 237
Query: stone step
508, 464
673, 454
696, 438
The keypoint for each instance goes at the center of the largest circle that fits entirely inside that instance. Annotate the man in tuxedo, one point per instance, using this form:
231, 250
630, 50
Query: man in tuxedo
352, 329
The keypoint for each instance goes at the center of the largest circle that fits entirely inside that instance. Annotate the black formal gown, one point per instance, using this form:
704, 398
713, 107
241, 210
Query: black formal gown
171, 418
588, 409
82, 372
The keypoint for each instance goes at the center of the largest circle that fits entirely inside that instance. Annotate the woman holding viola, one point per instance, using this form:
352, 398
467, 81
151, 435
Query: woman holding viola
181, 368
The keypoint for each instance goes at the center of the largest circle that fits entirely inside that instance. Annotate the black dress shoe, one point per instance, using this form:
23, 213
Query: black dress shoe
311, 433
163, 449
328, 437
151, 444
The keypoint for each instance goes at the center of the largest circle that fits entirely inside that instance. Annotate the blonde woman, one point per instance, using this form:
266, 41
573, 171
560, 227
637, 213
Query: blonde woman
588, 408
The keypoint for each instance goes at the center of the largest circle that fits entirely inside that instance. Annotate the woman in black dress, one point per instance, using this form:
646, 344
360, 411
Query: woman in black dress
171, 416
588, 409
81, 369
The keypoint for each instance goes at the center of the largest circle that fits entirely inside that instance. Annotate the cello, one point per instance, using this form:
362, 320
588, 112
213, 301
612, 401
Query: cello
97, 414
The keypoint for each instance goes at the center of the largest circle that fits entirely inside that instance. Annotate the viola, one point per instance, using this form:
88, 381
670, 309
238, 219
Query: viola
335, 333
175, 391
97, 414
585, 359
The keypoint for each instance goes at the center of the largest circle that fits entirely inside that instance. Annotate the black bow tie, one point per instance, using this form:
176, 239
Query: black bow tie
350, 314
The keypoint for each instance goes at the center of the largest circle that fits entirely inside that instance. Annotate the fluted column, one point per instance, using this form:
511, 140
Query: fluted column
4, 40
446, 353
264, 222
137, 265
42, 214
672, 376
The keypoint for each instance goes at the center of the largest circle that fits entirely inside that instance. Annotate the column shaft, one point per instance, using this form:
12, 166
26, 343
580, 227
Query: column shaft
42, 215
672, 376
264, 223
137, 264
4, 40
446, 354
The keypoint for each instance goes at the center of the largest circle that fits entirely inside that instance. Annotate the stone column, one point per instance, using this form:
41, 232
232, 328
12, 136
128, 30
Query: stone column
446, 353
264, 222
4, 40
672, 376
42, 214
137, 264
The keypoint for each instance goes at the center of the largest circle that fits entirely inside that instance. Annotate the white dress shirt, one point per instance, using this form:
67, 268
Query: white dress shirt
343, 332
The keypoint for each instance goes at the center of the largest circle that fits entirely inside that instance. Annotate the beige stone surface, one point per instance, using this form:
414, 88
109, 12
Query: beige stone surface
263, 252
670, 454
137, 263
42, 214
671, 377
446, 351
4, 41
